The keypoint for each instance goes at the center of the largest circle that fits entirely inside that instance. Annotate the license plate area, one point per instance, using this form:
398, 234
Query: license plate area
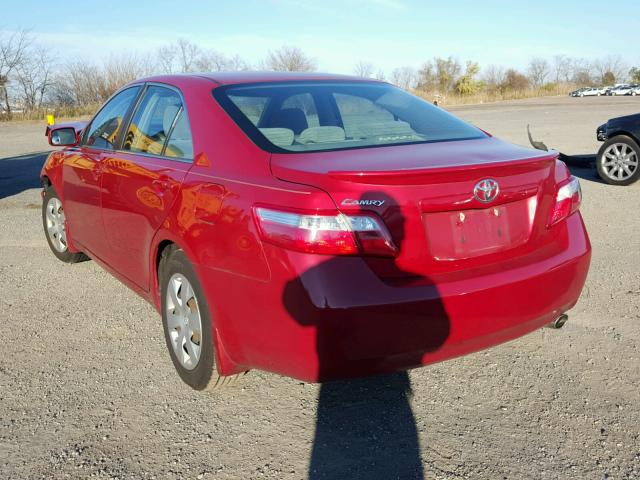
461, 234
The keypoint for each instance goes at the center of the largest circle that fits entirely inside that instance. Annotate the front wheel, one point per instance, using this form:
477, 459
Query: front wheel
54, 223
618, 161
187, 323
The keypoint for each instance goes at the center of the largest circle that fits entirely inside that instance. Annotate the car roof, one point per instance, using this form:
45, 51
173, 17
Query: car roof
230, 78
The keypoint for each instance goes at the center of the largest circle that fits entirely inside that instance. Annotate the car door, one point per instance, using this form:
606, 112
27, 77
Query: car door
82, 171
141, 181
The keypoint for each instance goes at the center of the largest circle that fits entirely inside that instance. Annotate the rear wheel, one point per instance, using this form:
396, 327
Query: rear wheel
187, 323
54, 223
618, 161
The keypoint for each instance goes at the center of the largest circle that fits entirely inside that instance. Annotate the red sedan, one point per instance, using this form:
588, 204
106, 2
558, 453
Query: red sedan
316, 226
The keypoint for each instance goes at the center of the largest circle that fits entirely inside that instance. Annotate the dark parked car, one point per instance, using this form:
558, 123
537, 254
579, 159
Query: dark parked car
618, 157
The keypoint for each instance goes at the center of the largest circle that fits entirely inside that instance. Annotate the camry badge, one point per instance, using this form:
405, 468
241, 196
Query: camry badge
486, 190
350, 202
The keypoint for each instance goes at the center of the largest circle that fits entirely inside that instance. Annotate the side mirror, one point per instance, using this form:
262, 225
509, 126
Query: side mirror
63, 137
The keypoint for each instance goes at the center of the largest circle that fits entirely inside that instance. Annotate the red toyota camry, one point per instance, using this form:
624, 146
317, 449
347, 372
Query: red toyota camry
317, 226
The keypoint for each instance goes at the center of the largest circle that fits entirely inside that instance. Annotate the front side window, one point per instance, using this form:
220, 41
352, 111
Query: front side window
315, 116
160, 125
106, 124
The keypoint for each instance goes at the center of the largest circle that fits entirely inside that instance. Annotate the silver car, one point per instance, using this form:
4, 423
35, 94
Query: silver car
592, 92
621, 90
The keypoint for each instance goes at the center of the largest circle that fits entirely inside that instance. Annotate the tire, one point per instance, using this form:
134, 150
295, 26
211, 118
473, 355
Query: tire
618, 161
54, 225
196, 365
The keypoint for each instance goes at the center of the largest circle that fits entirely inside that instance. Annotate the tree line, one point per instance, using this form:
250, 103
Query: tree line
32, 80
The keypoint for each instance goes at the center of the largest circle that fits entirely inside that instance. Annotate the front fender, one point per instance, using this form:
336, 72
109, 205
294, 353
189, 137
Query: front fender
52, 171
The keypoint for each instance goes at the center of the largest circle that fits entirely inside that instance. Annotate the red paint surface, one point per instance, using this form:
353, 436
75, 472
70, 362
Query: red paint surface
453, 288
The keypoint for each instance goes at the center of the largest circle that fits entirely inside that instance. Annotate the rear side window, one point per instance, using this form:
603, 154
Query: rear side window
107, 123
316, 116
160, 125
251, 107
179, 144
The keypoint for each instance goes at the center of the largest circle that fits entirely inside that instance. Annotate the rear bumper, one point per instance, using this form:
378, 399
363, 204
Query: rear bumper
321, 318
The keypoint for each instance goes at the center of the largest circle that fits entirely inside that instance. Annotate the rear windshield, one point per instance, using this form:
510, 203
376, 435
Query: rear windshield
314, 116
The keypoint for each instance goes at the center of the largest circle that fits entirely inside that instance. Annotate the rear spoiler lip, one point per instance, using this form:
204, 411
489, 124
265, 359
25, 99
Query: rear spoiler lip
359, 175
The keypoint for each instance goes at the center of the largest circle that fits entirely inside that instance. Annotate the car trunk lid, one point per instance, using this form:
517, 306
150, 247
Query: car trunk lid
425, 195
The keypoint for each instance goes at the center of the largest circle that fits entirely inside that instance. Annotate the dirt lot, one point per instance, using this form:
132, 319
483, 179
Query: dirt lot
87, 389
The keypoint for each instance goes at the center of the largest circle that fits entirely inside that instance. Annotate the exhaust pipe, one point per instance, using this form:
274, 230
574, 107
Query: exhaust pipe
559, 322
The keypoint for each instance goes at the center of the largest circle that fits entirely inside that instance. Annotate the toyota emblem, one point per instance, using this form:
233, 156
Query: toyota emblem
486, 190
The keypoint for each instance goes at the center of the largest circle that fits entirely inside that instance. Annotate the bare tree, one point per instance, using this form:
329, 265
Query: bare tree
380, 76
180, 56
187, 54
35, 77
79, 83
582, 72
493, 76
538, 71
582, 77
184, 56
119, 70
404, 77
289, 59
13, 49
562, 68
237, 63
212, 61
166, 58
610, 64
364, 69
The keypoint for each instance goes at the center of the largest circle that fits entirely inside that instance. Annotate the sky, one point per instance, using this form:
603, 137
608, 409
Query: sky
337, 33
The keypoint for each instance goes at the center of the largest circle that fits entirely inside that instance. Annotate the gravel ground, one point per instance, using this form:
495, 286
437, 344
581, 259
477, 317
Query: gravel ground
87, 389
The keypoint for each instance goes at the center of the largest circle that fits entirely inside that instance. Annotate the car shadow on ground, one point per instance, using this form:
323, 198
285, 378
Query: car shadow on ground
365, 427
582, 166
20, 173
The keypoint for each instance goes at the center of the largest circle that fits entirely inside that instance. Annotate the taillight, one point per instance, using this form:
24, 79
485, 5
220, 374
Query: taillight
568, 198
333, 234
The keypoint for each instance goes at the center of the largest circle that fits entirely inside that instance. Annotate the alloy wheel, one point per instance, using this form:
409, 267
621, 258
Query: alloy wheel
184, 323
56, 225
619, 161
